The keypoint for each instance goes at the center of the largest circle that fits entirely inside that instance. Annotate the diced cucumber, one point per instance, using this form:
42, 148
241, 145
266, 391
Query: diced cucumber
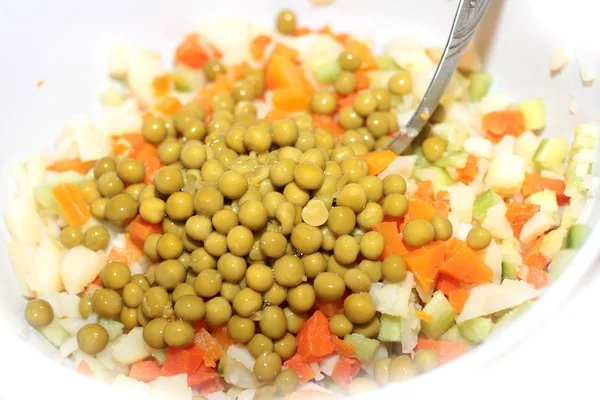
512, 315
454, 159
112, 97
480, 84
159, 355
438, 176
484, 202
385, 62
443, 316
454, 132
551, 154
534, 114
477, 329
390, 329
577, 236
453, 335
364, 348
560, 263
325, 71
54, 333
509, 270
187, 79
420, 162
114, 328
220, 367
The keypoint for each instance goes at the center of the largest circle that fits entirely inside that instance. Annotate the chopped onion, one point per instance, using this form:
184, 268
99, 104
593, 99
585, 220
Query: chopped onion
490, 298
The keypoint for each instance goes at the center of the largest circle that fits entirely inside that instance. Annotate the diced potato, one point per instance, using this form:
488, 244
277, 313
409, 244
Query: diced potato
23, 221
131, 347
171, 387
80, 267
21, 256
44, 276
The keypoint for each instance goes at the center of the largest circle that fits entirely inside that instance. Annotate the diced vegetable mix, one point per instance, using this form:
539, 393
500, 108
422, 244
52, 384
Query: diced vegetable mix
240, 226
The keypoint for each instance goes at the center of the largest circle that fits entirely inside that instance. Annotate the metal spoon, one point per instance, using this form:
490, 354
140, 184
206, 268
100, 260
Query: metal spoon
466, 20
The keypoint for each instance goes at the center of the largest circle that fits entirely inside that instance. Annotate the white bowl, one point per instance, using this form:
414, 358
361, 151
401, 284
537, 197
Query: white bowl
66, 44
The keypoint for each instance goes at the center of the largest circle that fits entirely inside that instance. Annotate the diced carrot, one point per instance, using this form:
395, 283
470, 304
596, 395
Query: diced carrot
342, 38
392, 239
206, 93
276, 115
280, 72
424, 316
457, 299
151, 164
518, 215
73, 164
290, 99
302, 31
96, 281
120, 147
140, 229
71, 203
132, 248
424, 191
452, 246
465, 266
469, 171
533, 258
302, 368
345, 370
84, 368
202, 376
328, 123
194, 52
362, 80
419, 209
258, 45
347, 101
447, 284
118, 254
168, 105
342, 347
505, 122
330, 308
326, 30
314, 339
136, 140
213, 385
447, 351
235, 73
182, 361
223, 337
423, 262
379, 160
368, 62
162, 84
285, 51
536, 277
535, 183
145, 371
210, 347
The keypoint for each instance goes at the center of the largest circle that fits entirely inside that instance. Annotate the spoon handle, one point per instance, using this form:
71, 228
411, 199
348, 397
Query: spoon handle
466, 20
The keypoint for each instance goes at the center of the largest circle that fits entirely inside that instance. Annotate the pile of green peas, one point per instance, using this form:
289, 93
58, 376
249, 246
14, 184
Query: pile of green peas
259, 220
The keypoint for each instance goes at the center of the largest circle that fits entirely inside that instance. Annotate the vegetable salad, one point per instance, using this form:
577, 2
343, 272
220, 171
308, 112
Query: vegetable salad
234, 227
